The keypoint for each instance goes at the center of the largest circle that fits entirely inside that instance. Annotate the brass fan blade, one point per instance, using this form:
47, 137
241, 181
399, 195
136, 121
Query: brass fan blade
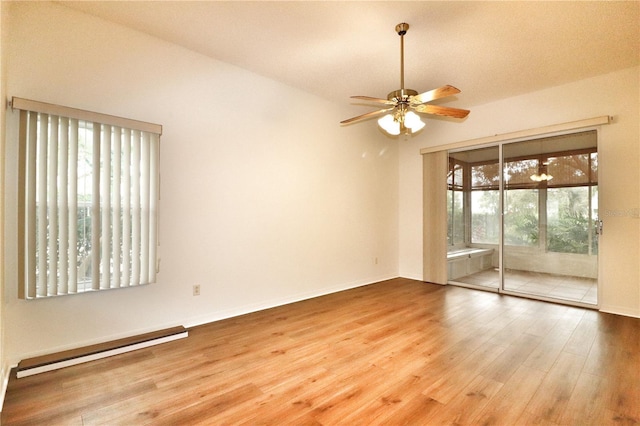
370, 99
432, 95
367, 115
441, 110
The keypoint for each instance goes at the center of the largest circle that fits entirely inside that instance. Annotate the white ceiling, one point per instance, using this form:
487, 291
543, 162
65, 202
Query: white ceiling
489, 50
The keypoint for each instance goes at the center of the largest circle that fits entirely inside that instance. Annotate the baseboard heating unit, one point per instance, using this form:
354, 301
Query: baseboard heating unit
41, 364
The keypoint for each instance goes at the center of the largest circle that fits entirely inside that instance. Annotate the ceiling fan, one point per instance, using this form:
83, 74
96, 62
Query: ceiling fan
402, 103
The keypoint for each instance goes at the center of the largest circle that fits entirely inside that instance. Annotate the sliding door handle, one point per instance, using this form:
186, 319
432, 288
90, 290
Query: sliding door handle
599, 226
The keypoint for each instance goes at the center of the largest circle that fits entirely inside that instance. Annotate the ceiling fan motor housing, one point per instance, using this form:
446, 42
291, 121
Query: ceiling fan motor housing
401, 95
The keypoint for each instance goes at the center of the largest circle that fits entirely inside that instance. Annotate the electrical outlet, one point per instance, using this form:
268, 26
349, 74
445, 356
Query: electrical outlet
196, 290
376, 261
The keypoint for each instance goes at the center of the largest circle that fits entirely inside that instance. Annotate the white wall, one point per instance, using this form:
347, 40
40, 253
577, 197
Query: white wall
4, 368
265, 199
615, 94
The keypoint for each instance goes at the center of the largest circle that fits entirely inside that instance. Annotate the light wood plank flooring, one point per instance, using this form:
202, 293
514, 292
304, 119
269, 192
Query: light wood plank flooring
395, 352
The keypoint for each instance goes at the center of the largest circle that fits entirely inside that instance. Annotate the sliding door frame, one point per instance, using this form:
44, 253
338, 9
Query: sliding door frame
435, 263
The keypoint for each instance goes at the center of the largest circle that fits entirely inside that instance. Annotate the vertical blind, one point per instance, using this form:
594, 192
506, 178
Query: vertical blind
88, 200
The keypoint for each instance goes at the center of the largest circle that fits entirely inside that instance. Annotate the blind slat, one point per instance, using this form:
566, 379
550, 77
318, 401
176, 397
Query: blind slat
63, 203
105, 204
126, 208
95, 211
144, 207
52, 204
115, 213
42, 204
135, 209
31, 264
153, 205
73, 206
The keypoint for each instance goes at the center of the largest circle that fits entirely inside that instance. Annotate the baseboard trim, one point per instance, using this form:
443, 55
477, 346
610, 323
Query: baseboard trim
41, 364
274, 303
620, 310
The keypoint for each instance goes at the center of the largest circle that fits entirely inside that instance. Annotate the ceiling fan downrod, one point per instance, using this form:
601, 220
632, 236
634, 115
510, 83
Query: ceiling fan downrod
402, 95
402, 29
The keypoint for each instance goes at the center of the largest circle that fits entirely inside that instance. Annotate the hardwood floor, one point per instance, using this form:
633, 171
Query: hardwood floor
395, 352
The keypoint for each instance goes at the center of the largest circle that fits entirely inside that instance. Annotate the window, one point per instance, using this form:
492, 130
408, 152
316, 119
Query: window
455, 203
521, 224
572, 197
485, 203
550, 198
88, 201
521, 201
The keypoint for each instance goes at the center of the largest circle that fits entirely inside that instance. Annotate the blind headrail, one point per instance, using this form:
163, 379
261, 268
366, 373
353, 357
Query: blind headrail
79, 114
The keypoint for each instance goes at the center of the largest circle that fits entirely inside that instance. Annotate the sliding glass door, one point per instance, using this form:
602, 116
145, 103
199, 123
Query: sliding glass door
550, 215
523, 215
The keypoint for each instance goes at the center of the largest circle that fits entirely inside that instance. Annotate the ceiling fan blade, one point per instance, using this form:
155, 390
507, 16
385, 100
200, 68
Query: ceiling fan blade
432, 95
441, 110
367, 115
370, 99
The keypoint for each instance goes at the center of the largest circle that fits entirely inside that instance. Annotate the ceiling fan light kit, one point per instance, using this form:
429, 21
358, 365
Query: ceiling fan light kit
400, 117
541, 178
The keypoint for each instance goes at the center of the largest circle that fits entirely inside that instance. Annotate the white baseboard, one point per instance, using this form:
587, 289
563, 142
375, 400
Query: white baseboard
256, 307
618, 310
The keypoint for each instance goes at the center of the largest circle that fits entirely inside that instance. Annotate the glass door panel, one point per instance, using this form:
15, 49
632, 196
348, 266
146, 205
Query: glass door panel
473, 204
549, 215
